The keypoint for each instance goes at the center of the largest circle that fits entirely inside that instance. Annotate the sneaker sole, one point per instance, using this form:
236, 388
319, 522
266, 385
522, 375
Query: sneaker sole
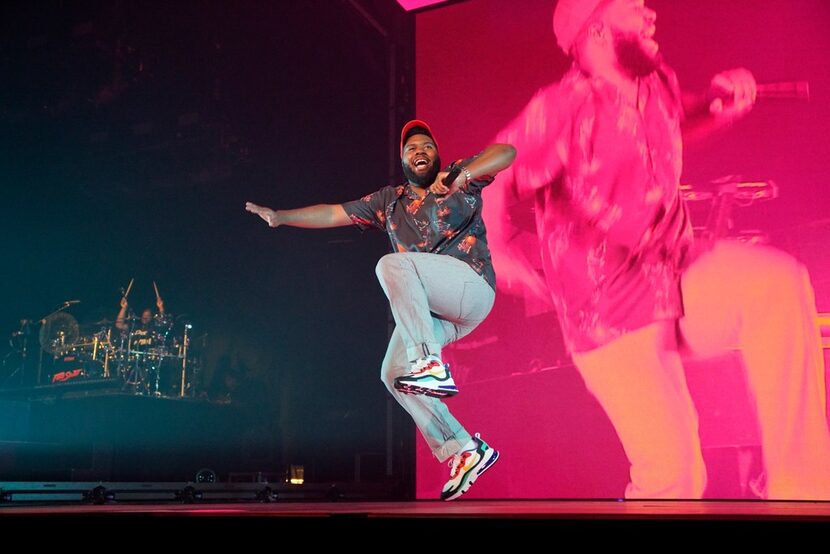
488, 463
434, 393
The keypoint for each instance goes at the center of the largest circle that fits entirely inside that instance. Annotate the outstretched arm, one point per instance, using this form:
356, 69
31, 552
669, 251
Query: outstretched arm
493, 159
319, 216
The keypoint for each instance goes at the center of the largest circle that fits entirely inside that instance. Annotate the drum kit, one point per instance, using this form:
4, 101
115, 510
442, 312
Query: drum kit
152, 357
144, 355
149, 358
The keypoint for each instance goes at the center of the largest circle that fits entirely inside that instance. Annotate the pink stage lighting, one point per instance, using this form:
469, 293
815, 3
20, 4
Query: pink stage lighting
410, 5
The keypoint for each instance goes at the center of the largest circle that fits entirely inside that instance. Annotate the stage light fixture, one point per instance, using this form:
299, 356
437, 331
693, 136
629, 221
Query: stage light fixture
296, 475
188, 495
410, 5
99, 495
205, 475
266, 495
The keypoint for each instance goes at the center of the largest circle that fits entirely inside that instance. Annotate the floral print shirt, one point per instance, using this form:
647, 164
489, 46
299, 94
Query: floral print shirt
613, 228
450, 225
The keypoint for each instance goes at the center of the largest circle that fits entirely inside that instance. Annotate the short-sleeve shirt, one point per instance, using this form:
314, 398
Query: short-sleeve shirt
451, 225
605, 173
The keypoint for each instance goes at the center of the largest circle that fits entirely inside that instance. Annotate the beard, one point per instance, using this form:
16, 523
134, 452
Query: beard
631, 56
425, 180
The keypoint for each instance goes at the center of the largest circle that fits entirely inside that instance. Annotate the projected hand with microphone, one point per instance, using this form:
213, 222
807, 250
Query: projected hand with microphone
732, 93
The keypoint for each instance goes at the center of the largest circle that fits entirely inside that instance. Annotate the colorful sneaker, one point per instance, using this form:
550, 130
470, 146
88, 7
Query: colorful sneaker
428, 376
465, 467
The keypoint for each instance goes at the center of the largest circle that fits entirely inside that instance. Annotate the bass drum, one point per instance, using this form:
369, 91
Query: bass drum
76, 363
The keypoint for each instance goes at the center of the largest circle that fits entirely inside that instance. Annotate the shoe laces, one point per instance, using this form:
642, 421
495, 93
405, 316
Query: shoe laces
457, 462
428, 364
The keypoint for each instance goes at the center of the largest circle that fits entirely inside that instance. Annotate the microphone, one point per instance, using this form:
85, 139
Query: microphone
783, 90
799, 90
452, 176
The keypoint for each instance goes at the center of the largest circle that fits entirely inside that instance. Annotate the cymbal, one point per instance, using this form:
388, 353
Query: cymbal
104, 322
58, 330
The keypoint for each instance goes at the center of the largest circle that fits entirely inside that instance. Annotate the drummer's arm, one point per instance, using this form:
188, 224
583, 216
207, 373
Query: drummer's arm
120, 324
160, 305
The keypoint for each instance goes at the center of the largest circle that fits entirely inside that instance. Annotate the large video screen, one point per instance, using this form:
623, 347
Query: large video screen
478, 64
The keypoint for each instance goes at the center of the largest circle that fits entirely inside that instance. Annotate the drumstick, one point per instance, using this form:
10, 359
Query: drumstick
130, 286
157, 290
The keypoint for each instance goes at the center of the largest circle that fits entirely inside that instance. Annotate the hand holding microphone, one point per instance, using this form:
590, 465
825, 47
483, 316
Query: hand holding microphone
732, 94
443, 181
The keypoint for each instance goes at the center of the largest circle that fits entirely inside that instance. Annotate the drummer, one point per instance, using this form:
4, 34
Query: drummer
142, 334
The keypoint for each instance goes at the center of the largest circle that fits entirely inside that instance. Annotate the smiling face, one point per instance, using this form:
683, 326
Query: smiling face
420, 160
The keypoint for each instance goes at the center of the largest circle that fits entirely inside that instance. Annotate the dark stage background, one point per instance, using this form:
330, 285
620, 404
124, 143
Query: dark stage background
133, 133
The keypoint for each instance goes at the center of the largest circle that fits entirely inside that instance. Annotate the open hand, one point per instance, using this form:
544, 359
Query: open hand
267, 214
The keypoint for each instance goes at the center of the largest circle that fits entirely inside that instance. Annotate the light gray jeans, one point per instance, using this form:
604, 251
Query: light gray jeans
435, 300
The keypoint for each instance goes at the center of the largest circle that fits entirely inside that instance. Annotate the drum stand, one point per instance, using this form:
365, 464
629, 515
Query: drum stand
20, 368
726, 194
96, 342
157, 384
135, 376
185, 342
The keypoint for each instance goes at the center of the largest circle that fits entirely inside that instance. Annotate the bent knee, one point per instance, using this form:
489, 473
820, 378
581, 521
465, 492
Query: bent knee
389, 374
764, 263
387, 265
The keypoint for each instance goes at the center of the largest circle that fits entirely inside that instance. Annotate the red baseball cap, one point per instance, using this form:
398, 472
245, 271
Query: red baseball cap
570, 17
416, 127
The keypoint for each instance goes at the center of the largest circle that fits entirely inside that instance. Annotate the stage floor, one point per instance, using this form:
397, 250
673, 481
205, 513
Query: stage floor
478, 509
